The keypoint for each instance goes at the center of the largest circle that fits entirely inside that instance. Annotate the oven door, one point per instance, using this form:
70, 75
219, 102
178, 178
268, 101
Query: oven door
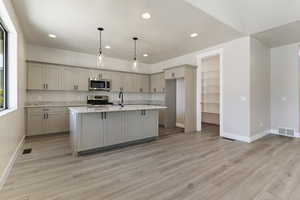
95, 85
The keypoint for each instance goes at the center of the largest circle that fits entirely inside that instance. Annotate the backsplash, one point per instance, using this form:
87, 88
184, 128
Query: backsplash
63, 96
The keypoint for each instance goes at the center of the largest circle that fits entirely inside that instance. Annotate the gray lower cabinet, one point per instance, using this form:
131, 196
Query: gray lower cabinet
113, 129
95, 130
41, 121
92, 132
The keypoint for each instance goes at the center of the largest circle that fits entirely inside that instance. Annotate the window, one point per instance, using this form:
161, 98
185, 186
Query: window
3, 68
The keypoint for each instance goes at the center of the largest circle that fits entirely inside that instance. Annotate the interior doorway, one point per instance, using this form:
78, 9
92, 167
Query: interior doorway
209, 93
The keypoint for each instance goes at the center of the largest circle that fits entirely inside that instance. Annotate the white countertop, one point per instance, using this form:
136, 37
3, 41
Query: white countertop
55, 104
101, 109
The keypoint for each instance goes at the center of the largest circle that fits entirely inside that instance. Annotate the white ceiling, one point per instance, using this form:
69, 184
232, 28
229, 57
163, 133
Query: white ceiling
251, 16
282, 35
164, 36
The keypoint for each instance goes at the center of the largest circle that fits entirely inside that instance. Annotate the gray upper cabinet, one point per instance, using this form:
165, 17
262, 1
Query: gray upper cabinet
75, 79
42, 77
52, 77
35, 77
157, 83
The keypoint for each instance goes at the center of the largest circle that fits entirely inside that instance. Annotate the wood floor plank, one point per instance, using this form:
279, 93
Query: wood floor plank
175, 167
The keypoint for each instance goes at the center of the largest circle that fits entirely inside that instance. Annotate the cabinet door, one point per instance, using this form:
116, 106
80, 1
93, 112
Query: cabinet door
53, 76
68, 79
128, 83
82, 80
162, 83
134, 132
113, 129
106, 75
143, 83
116, 81
150, 123
91, 132
35, 124
154, 83
35, 76
55, 122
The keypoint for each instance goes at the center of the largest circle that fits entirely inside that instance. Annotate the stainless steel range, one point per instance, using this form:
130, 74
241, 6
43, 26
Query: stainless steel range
98, 100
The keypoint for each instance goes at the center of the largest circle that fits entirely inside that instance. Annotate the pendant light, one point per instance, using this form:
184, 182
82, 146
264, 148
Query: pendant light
100, 56
135, 62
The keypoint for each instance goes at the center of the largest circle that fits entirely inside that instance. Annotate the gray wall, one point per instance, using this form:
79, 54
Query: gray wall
285, 87
260, 87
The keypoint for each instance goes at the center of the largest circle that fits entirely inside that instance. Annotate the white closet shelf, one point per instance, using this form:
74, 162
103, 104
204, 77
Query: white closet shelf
210, 112
211, 71
210, 92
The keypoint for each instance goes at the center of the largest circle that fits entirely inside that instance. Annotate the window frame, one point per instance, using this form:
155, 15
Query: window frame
5, 67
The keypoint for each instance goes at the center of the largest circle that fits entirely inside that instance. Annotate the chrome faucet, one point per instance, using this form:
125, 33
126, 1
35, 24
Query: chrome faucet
121, 97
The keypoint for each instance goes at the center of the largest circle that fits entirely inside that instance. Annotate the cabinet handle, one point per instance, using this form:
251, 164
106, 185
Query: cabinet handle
101, 116
154, 89
47, 86
105, 114
144, 112
141, 89
44, 115
47, 115
173, 74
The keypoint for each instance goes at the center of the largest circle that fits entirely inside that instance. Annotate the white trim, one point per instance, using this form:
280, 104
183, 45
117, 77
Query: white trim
236, 137
180, 125
259, 135
7, 111
217, 52
11, 162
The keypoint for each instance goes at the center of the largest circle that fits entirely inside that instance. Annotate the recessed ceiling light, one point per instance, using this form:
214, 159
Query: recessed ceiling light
107, 47
52, 35
146, 15
194, 35
145, 55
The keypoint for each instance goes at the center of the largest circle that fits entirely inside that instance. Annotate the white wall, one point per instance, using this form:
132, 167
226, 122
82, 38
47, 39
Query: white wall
12, 124
260, 87
285, 87
65, 57
236, 83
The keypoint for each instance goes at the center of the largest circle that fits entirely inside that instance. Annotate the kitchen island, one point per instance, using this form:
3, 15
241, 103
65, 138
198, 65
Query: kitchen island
107, 127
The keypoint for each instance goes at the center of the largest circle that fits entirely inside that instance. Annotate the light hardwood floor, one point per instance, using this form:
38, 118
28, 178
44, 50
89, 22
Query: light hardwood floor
176, 167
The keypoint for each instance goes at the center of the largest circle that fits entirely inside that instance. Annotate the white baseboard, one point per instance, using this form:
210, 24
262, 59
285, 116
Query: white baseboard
245, 138
259, 135
11, 163
180, 125
236, 137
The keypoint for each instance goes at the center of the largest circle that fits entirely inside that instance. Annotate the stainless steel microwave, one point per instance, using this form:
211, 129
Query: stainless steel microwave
99, 85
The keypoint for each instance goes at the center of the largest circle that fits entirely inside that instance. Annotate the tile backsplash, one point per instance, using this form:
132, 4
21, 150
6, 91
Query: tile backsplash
63, 96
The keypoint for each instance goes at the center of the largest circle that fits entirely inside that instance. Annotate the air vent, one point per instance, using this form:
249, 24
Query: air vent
282, 131
286, 132
27, 151
290, 132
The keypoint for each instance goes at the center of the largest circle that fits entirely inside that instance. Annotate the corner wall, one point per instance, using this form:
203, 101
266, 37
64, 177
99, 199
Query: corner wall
236, 84
260, 94
285, 87
12, 125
